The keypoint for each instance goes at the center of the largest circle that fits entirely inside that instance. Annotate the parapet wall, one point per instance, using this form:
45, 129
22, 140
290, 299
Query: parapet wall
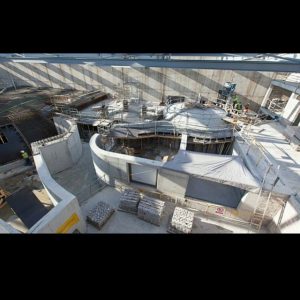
50, 157
110, 166
62, 151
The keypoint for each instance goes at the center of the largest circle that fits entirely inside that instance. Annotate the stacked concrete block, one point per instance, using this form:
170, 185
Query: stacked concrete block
98, 215
182, 221
129, 201
151, 210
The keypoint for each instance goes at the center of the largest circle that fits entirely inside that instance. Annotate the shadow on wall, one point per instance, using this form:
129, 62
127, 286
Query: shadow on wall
215, 86
80, 77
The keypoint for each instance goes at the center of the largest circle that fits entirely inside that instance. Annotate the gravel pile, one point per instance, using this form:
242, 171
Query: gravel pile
98, 215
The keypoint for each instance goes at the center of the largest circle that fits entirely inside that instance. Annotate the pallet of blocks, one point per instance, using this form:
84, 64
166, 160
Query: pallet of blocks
182, 221
151, 210
129, 201
98, 215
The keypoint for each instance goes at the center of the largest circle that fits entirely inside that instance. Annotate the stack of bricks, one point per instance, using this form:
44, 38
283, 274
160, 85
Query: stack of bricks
98, 215
129, 201
151, 210
182, 221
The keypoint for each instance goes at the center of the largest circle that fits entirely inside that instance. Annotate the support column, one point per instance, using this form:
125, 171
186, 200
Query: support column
267, 95
291, 109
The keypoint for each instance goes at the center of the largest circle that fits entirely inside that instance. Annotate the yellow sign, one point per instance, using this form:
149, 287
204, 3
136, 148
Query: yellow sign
68, 224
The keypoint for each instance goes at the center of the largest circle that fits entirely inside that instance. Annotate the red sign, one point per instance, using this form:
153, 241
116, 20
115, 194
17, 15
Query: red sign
220, 210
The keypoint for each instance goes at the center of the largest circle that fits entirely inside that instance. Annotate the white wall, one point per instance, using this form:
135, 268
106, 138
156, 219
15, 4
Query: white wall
292, 108
110, 165
63, 218
66, 204
290, 222
57, 156
55, 191
7, 228
64, 152
172, 183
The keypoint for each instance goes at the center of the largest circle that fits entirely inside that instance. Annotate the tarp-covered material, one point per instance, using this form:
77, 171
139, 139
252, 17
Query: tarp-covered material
214, 192
225, 169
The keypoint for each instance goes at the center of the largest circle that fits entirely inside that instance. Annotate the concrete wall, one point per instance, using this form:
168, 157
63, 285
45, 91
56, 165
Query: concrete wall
7, 228
172, 183
55, 191
110, 166
290, 222
154, 83
66, 205
66, 217
57, 157
292, 108
62, 153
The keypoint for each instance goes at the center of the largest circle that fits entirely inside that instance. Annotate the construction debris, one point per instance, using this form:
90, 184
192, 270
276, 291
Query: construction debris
129, 201
182, 221
151, 210
3, 195
98, 215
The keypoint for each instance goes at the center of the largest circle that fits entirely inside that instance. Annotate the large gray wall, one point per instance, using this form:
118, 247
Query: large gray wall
154, 83
64, 152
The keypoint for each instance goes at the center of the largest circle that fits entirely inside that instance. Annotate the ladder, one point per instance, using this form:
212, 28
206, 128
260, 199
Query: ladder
262, 204
260, 212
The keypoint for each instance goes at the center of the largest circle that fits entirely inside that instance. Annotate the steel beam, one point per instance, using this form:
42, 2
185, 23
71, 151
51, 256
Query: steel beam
281, 66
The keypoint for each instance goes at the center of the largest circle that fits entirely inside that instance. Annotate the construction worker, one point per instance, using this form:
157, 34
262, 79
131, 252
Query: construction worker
238, 105
26, 157
247, 106
235, 100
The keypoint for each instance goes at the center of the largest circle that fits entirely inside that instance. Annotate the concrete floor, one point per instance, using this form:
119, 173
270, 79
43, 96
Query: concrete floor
81, 179
122, 222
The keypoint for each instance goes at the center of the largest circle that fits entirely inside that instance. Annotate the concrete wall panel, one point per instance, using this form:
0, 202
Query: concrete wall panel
153, 82
172, 183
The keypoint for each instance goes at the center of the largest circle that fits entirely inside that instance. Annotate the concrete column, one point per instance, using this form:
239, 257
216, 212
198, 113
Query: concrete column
267, 95
292, 108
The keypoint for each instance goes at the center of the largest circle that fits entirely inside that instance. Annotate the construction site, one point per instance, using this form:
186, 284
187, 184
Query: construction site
150, 143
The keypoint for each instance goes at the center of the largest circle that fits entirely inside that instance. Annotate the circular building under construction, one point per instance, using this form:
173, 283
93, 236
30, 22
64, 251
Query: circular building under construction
169, 146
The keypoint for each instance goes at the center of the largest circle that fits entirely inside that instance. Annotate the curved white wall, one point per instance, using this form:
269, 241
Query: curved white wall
52, 157
61, 153
110, 166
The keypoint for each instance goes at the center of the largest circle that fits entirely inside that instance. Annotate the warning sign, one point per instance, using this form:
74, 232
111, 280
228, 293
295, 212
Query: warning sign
220, 211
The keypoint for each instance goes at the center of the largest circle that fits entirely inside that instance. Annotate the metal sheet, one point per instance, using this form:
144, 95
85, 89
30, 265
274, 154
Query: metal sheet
27, 206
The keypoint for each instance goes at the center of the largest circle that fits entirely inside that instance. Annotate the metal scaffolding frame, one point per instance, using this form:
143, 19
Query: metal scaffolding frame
269, 62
